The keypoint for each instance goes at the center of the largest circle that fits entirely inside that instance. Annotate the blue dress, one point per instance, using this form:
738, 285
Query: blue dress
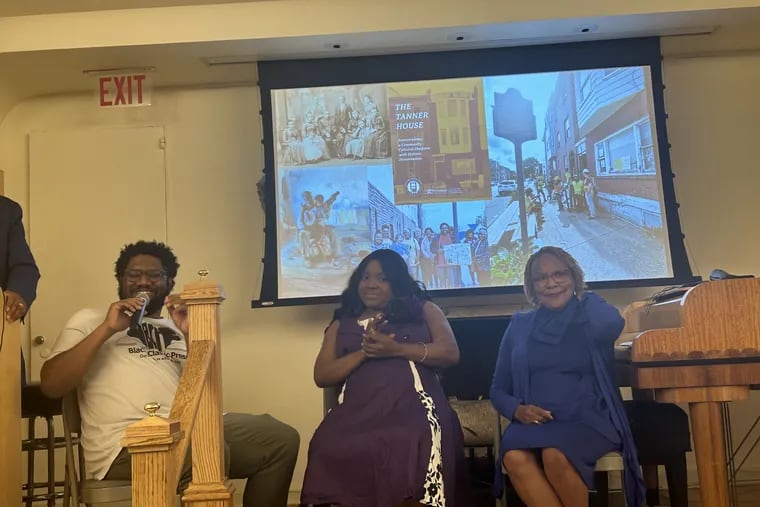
563, 361
562, 381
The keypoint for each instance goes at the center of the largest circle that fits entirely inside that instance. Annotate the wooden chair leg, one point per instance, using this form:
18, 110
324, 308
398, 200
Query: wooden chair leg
678, 488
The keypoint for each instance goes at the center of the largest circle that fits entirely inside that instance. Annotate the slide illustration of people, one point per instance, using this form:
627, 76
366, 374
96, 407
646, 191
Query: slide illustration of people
316, 237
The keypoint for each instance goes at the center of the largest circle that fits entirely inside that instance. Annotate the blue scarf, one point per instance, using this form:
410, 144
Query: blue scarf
550, 326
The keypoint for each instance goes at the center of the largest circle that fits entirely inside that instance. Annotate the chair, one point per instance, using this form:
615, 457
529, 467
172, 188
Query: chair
36, 405
661, 434
610, 462
477, 419
90, 492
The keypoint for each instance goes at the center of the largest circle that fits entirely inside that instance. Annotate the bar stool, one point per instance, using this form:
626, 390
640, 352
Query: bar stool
34, 404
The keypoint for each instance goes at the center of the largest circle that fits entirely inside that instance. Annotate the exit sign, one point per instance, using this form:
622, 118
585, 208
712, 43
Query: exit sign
124, 90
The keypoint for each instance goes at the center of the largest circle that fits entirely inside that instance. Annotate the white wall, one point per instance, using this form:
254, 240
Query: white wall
7, 99
215, 220
714, 110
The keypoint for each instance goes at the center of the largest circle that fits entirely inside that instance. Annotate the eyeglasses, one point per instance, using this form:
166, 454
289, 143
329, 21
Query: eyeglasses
153, 275
556, 276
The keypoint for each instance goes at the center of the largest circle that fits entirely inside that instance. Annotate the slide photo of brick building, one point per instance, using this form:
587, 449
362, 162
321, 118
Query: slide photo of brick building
591, 175
439, 147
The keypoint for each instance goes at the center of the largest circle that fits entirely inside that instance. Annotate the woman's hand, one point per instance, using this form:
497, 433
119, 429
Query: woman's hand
531, 414
376, 344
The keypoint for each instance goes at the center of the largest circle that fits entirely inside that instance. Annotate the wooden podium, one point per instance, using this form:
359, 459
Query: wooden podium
10, 413
702, 347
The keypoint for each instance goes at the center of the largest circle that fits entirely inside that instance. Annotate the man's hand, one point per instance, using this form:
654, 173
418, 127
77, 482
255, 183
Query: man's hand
178, 313
375, 343
531, 414
15, 306
120, 313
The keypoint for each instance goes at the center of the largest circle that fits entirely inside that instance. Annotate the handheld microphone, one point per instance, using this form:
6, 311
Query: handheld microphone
137, 317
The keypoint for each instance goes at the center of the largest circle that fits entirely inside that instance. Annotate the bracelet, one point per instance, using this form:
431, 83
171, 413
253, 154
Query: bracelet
424, 355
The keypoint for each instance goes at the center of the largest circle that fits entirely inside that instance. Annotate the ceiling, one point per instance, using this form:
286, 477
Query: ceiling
32, 7
186, 64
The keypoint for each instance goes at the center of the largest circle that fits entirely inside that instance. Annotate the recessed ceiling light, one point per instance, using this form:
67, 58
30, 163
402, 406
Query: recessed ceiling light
458, 37
587, 28
217, 61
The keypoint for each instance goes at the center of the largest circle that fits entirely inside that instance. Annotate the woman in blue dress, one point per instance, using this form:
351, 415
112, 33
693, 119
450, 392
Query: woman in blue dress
553, 381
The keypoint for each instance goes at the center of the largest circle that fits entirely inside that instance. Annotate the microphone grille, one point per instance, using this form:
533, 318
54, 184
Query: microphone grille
143, 294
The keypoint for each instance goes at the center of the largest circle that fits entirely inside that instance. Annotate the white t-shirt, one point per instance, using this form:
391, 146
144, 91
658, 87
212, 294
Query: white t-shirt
126, 373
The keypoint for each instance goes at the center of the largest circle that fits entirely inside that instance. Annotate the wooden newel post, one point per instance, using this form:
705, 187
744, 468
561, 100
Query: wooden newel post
154, 468
209, 487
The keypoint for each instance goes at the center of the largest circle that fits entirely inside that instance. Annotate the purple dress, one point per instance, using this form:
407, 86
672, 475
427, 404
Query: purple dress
392, 437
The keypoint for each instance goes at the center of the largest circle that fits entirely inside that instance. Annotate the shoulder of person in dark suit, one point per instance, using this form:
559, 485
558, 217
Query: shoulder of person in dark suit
19, 273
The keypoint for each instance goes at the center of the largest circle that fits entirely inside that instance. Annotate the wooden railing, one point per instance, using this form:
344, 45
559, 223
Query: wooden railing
10, 412
158, 445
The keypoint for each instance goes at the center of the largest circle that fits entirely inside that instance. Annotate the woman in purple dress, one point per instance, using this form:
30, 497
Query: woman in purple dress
393, 438
553, 380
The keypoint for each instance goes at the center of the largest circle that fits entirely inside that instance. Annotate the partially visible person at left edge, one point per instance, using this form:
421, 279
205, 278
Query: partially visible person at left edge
18, 271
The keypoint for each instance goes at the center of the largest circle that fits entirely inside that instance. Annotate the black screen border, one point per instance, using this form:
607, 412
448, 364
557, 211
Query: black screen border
308, 73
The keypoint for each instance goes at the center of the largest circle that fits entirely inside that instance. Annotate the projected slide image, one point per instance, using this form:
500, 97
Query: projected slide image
438, 141
465, 178
325, 126
324, 232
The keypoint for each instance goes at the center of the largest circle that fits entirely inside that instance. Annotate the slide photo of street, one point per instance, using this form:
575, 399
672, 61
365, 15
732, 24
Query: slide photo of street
590, 174
324, 127
323, 230
438, 141
445, 245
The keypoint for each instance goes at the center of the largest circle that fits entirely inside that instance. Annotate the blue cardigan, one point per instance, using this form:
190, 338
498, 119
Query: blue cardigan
511, 381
